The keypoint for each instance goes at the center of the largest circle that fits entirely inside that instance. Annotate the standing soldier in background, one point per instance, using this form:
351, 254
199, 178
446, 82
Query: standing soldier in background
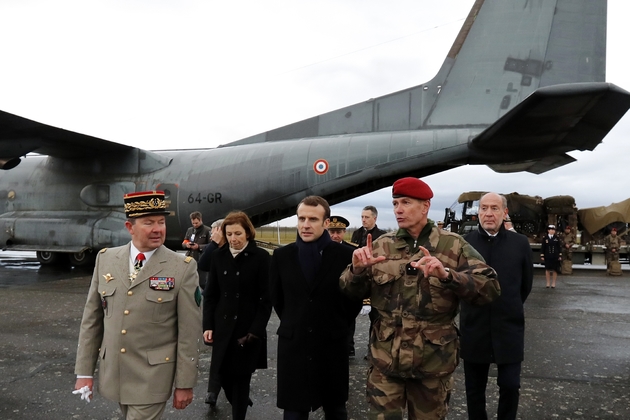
368, 220
550, 255
415, 278
612, 243
568, 240
196, 239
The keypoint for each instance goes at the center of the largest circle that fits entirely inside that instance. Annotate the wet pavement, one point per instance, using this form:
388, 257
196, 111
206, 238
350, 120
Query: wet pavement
577, 351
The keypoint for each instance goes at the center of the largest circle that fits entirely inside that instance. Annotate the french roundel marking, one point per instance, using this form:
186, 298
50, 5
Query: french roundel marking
320, 166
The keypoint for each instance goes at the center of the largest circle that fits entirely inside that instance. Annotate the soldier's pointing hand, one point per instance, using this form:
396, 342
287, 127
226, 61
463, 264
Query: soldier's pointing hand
363, 258
429, 265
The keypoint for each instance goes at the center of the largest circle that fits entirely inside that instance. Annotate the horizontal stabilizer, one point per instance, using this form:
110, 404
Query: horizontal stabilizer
551, 122
536, 166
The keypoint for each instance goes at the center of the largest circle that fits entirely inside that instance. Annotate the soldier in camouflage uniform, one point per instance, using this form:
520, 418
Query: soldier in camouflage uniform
416, 278
612, 243
568, 240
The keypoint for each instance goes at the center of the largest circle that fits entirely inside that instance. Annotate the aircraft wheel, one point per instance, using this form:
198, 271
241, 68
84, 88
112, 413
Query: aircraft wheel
81, 259
47, 257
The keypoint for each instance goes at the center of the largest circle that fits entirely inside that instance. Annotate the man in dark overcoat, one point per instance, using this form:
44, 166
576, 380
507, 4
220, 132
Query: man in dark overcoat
495, 333
314, 317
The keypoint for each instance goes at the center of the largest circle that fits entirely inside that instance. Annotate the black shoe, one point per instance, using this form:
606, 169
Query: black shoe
211, 398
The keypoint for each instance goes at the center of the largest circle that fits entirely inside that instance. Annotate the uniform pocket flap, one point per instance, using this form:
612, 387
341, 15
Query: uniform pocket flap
160, 297
385, 330
381, 278
162, 355
286, 332
440, 335
106, 290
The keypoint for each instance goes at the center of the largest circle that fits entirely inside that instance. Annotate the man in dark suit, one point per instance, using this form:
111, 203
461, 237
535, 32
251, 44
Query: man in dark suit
142, 319
314, 317
494, 333
368, 222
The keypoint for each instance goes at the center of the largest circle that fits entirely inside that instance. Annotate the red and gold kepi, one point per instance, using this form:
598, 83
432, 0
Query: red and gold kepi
145, 203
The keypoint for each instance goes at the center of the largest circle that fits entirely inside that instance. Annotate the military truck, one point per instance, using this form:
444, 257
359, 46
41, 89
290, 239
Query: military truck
531, 215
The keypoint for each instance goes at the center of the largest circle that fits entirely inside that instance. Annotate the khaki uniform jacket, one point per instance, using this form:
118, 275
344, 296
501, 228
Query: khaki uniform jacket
414, 334
146, 340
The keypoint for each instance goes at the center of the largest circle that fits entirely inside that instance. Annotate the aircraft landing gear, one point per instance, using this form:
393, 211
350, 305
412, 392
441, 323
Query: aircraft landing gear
48, 258
81, 259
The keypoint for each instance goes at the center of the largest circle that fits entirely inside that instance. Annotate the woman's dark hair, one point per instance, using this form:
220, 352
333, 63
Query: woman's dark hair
239, 218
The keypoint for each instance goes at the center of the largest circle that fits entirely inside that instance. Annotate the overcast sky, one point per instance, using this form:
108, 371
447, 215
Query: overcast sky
160, 74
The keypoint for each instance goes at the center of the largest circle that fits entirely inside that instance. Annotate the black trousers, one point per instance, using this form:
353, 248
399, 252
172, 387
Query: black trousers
236, 389
338, 412
509, 382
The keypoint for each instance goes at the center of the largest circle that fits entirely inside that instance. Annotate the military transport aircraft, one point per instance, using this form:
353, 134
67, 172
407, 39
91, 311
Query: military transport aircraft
522, 85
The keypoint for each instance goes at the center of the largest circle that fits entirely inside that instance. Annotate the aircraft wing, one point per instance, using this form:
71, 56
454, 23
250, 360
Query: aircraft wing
537, 133
19, 136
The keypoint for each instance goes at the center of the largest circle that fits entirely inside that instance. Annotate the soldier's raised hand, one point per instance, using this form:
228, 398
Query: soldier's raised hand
429, 265
363, 258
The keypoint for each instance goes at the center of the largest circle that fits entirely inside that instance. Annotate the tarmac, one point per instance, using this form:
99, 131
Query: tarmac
577, 352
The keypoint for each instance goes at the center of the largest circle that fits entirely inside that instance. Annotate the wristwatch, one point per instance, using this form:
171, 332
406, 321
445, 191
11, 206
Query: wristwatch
448, 275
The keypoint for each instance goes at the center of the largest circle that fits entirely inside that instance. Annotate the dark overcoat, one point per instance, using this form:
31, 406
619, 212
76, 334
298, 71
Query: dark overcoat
236, 302
495, 333
312, 336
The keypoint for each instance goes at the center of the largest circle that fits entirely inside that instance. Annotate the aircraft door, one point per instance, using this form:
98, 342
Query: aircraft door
174, 232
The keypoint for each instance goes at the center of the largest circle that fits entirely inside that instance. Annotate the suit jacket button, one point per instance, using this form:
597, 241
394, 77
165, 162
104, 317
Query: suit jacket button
103, 292
129, 293
159, 299
167, 359
126, 312
123, 332
123, 350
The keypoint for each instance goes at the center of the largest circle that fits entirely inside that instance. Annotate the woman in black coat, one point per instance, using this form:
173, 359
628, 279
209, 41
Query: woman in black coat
236, 310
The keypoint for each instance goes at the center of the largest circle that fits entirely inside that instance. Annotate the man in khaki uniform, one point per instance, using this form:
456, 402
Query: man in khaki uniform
612, 243
416, 278
142, 320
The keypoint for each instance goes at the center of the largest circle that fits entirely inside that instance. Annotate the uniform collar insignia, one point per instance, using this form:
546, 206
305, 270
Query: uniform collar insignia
108, 277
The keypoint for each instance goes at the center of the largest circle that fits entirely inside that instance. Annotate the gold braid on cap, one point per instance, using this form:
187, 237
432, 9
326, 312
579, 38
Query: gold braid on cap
140, 206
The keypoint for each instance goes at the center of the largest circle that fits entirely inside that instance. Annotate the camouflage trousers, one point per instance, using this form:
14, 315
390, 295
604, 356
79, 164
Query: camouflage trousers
424, 398
612, 256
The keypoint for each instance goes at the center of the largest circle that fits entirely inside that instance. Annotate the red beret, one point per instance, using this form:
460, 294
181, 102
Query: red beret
412, 187
613, 230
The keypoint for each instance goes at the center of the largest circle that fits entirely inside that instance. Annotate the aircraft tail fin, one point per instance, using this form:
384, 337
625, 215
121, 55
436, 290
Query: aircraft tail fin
503, 53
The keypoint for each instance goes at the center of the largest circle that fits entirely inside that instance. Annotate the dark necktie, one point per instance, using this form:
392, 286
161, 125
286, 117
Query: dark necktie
139, 261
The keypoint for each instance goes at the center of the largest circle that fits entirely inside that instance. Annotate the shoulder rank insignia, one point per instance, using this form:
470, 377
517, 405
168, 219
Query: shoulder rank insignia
188, 259
102, 250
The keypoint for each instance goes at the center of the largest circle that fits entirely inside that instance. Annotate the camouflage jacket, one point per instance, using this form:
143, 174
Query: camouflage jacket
612, 243
568, 239
414, 335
